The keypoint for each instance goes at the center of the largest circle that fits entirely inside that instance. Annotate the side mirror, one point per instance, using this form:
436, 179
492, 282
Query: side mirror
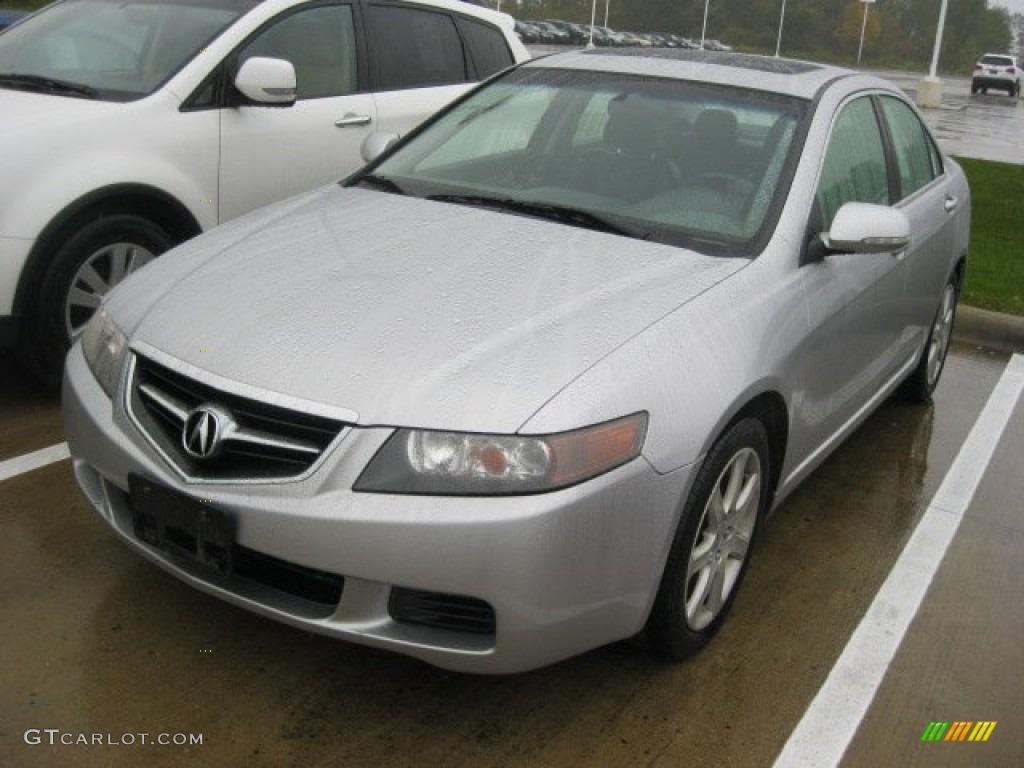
867, 228
374, 144
270, 82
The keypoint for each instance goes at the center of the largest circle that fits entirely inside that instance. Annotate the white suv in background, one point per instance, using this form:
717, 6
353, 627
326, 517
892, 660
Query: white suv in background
129, 127
997, 70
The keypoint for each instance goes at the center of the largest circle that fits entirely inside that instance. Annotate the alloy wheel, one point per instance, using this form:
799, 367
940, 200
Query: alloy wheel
723, 538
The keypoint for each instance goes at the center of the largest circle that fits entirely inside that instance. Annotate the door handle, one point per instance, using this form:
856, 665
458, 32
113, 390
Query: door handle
951, 202
352, 119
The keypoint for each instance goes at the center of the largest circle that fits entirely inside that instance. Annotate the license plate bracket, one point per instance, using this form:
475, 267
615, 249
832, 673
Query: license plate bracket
179, 523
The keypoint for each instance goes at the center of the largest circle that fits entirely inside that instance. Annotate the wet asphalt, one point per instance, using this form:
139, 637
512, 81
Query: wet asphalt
98, 646
97, 643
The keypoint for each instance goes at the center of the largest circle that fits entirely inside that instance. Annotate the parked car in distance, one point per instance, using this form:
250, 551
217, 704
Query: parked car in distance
999, 71
551, 34
527, 32
132, 126
530, 382
575, 33
716, 45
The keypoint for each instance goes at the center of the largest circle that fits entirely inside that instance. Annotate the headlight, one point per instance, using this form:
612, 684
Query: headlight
415, 461
104, 346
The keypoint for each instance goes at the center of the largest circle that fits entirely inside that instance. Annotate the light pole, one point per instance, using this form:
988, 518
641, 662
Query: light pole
929, 90
593, 21
606, 4
863, 28
938, 39
704, 28
782, 18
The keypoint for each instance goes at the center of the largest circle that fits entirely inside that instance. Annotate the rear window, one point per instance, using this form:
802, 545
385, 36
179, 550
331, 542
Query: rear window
997, 61
488, 49
422, 48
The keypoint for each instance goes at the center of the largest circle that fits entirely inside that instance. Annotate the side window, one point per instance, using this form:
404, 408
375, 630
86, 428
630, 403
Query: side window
415, 48
916, 157
488, 48
319, 42
854, 168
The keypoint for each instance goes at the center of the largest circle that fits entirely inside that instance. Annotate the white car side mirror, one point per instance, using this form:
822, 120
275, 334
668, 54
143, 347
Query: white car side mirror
374, 144
267, 81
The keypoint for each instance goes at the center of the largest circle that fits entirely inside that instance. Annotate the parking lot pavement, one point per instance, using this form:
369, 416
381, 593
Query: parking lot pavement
962, 659
936, 658
29, 415
97, 643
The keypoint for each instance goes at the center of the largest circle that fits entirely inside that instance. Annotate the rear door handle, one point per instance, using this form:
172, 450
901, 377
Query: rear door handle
952, 201
352, 119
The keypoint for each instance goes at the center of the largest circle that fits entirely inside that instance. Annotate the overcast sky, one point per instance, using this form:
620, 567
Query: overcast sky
1014, 6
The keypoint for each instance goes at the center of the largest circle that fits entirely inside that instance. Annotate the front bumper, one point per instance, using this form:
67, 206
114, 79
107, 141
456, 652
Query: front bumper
563, 572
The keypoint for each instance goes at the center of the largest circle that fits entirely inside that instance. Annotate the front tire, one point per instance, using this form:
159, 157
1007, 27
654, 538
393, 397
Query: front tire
85, 267
711, 550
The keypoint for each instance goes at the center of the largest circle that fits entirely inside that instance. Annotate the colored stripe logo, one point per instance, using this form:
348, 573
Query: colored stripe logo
959, 730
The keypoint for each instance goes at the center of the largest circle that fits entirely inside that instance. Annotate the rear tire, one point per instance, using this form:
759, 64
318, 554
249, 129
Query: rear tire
712, 547
921, 383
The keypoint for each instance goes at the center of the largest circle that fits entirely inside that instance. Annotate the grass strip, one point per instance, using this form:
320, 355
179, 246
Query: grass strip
995, 271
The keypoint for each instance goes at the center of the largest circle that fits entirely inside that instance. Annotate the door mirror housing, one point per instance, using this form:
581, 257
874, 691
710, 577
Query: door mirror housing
867, 228
376, 143
267, 82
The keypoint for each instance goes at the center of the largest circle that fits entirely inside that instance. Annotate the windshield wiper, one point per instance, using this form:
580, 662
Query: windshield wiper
576, 217
382, 183
47, 85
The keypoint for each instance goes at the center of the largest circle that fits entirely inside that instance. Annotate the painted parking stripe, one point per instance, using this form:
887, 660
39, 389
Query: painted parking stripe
19, 465
829, 724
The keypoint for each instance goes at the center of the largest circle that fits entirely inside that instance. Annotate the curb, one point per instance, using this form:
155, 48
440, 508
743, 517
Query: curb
994, 330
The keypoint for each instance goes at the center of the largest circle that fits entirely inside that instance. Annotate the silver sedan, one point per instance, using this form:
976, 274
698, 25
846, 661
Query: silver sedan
531, 381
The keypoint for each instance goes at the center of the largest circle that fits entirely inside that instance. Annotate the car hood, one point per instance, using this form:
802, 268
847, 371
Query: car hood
408, 312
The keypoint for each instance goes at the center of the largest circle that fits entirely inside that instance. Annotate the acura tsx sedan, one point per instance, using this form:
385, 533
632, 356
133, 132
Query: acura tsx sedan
530, 381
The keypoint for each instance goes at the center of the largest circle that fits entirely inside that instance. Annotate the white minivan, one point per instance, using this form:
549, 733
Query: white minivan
128, 126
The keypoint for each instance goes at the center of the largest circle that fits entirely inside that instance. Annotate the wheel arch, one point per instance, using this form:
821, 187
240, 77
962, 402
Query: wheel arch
770, 409
141, 200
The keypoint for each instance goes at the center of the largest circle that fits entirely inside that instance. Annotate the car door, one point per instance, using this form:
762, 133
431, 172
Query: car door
839, 366
931, 200
268, 153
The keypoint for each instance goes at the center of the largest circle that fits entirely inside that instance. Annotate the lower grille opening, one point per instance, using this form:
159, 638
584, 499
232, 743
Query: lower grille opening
441, 611
307, 583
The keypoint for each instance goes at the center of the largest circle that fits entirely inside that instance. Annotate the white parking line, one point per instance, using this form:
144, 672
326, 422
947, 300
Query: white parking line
19, 465
828, 725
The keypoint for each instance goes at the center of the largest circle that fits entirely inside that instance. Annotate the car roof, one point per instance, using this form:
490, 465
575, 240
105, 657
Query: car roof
801, 79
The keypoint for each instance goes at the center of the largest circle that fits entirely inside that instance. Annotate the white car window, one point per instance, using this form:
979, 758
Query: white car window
319, 42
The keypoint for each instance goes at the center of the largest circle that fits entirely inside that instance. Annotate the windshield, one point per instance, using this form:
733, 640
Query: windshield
116, 51
665, 160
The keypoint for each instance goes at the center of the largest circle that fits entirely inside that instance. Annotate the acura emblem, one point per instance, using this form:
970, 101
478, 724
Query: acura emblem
204, 430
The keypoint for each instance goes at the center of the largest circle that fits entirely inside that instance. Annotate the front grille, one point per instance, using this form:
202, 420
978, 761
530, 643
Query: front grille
435, 609
265, 442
